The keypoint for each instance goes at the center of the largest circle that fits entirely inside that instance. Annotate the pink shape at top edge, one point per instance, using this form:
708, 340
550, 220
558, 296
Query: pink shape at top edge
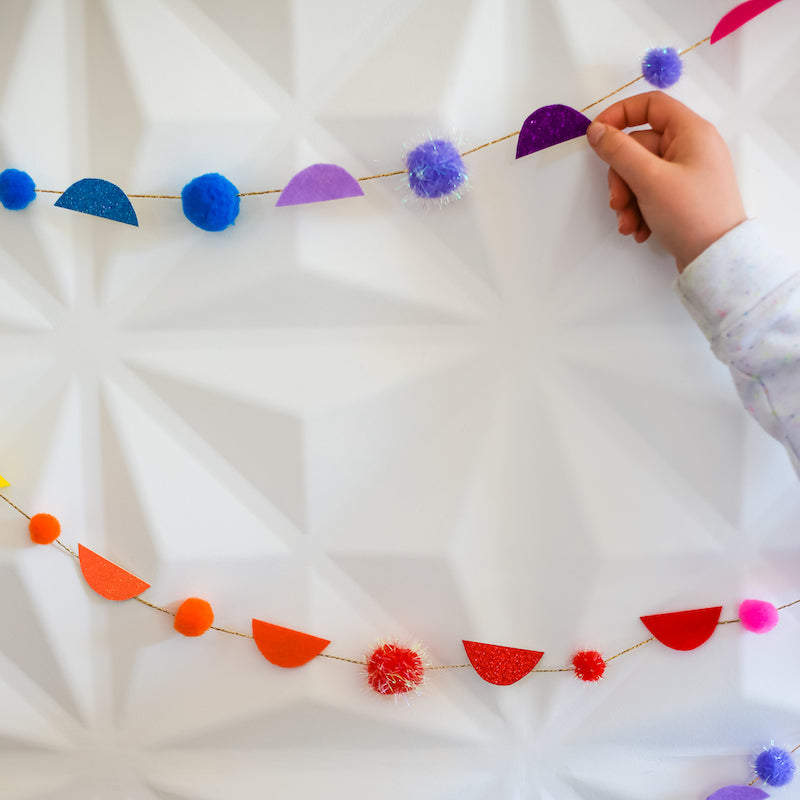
739, 16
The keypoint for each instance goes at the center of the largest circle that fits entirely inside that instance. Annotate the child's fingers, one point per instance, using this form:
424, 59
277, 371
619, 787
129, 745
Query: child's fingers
655, 109
619, 193
634, 163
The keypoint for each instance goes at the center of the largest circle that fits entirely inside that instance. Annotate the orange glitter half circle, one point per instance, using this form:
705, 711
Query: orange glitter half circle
107, 579
285, 647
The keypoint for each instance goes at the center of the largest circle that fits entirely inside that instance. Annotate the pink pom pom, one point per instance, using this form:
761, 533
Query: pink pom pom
758, 616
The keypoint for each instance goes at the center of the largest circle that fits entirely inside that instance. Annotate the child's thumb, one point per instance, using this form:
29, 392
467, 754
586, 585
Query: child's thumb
622, 153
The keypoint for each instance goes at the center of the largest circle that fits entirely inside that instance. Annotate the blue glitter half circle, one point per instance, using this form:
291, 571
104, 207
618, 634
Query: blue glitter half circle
100, 199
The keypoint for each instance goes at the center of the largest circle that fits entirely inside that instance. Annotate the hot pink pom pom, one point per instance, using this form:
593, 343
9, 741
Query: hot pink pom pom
758, 616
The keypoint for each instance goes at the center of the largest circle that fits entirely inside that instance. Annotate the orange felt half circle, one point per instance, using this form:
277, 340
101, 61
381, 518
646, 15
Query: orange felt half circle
284, 647
684, 630
107, 579
500, 665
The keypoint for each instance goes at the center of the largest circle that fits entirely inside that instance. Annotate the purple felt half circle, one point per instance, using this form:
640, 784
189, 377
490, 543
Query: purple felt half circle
550, 125
319, 182
738, 793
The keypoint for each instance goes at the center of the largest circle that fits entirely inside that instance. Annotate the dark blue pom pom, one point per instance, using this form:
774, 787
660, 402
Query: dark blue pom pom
662, 67
211, 202
435, 169
775, 766
17, 189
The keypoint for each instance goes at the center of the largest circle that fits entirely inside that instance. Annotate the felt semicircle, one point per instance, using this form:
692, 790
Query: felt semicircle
284, 647
107, 579
319, 182
738, 16
100, 199
684, 630
738, 793
550, 125
500, 665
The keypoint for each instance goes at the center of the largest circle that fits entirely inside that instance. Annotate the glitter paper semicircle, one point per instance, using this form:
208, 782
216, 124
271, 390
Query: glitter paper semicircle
285, 647
107, 579
317, 183
550, 125
500, 665
683, 630
738, 16
738, 793
100, 199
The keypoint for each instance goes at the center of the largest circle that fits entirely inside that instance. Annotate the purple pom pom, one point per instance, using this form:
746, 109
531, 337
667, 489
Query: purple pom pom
435, 169
775, 766
662, 67
17, 189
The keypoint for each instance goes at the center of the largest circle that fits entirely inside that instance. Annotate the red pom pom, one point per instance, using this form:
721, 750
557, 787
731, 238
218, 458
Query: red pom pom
394, 669
589, 665
44, 528
194, 617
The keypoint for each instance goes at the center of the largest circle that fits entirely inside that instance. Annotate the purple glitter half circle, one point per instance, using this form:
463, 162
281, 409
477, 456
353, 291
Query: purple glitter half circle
550, 125
317, 183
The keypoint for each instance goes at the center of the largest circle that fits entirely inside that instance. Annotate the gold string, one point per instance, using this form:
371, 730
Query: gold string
17, 508
404, 171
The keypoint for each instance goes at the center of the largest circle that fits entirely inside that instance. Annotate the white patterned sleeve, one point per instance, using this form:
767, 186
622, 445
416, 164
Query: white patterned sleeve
746, 300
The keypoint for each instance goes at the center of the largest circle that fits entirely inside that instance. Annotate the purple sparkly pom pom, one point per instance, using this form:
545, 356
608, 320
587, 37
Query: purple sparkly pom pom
435, 169
775, 766
662, 67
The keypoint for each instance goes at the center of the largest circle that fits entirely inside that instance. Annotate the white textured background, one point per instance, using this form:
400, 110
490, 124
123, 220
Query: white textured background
363, 418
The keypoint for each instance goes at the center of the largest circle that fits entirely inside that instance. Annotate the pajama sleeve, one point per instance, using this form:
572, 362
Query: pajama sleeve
746, 299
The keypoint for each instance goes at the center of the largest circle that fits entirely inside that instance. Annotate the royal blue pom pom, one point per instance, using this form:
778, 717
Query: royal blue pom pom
17, 189
775, 766
435, 169
662, 66
211, 202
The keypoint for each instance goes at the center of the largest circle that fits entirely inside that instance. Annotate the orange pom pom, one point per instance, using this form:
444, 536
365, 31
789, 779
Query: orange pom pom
44, 528
194, 617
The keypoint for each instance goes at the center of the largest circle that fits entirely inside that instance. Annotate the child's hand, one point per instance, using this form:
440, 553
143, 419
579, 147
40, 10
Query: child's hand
675, 180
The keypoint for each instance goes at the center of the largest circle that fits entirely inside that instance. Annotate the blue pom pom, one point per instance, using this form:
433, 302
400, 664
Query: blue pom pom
775, 766
662, 67
435, 169
211, 202
17, 189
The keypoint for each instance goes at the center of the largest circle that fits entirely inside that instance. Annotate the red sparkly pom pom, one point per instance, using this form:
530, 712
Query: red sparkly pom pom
394, 669
589, 665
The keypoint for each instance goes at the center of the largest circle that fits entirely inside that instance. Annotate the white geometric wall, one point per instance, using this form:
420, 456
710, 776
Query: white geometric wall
366, 418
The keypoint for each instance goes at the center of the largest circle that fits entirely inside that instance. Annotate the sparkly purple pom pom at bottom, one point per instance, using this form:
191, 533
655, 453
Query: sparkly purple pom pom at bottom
775, 766
435, 169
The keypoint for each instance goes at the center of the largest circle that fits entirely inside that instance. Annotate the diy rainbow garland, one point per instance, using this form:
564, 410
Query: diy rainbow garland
435, 171
392, 668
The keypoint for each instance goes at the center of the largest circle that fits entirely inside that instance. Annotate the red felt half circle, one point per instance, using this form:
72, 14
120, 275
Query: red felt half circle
285, 647
684, 630
500, 665
107, 579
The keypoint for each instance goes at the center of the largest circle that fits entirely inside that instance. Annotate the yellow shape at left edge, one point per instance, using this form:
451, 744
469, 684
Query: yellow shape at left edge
3, 482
